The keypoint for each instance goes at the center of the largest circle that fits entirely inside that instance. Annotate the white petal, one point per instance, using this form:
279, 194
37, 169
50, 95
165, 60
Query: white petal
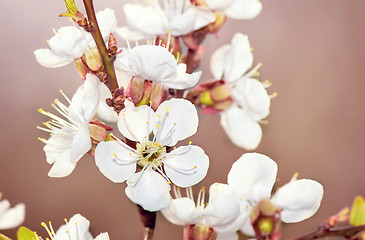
186, 165
11, 217
102, 236
77, 228
219, 4
241, 129
81, 143
217, 61
252, 96
104, 112
117, 168
299, 199
136, 123
179, 120
247, 228
148, 20
223, 206
182, 211
56, 145
228, 236
238, 58
183, 80
131, 35
69, 42
244, 9
149, 190
204, 17
182, 23
252, 176
152, 62
63, 166
47, 58
107, 22
86, 99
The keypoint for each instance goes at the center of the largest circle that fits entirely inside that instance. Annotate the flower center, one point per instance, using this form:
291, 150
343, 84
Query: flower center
151, 153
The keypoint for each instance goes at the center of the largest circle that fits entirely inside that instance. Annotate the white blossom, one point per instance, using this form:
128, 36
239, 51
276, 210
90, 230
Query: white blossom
77, 228
156, 63
237, 9
223, 212
11, 217
252, 178
70, 138
153, 18
251, 104
71, 42
174, 120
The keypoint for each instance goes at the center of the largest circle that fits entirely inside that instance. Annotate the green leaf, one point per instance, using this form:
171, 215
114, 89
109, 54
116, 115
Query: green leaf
25, 234
357, 215
2, 237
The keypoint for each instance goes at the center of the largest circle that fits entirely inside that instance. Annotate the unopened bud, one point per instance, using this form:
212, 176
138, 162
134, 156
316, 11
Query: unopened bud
220, 19
93, 59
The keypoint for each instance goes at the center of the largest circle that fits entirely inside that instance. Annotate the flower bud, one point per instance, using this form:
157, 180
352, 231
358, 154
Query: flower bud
143, 92
98, 133
199, 232
265, 219
92, 59
212, 97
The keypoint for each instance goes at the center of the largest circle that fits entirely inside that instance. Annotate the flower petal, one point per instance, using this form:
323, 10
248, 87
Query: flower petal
223, 207
244, 9
115, 160
219, 4
69, 42
182, 211
81, 143
148, 20
136, 123
11, 217
182, 24
63, 166
48, 59
85, 101
252, 176
227, 236
107, 22
104, 112
186, 165
247, 228
252, 96
152, 62
76, 228
182, 80
217, 61
149, 190
102, 236
179, 120
204, 17
241, 129
299, 199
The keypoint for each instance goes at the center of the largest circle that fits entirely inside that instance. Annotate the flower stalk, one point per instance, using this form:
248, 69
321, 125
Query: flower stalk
111, 78
148, 223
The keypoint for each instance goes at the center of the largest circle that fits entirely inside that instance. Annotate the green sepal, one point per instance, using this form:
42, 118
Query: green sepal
25, 234
357, 215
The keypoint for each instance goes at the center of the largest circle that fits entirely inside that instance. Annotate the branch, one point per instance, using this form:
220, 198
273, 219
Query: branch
322, 231
111, 83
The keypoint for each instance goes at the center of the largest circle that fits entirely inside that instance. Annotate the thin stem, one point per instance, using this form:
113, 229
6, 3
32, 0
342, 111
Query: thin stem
148, 223
322, 232
111, 83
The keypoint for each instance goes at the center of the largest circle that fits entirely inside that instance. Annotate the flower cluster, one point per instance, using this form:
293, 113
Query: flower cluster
151, 92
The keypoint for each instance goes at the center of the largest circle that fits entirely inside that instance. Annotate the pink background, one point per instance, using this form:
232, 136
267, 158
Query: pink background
312, 51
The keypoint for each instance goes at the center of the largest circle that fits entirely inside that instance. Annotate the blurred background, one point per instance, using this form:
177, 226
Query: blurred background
312, 51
